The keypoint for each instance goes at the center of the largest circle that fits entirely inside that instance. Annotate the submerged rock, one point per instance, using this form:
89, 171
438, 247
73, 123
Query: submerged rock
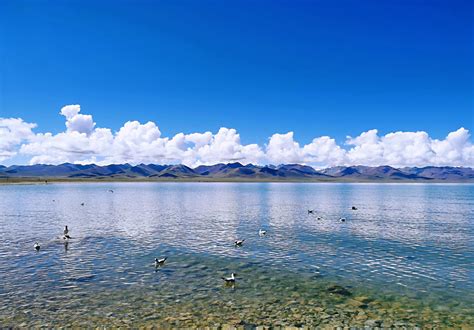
355, 304
373, 323
337, 289
363, 299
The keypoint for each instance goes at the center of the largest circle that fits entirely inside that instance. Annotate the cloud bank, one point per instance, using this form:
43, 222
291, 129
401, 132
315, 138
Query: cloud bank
84, 142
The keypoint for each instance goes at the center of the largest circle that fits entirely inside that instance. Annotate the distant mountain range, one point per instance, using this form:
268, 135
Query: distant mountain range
236, 172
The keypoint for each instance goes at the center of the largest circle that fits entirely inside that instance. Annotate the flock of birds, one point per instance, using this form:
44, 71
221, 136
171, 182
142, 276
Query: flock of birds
342, 219
159, 262
65, 237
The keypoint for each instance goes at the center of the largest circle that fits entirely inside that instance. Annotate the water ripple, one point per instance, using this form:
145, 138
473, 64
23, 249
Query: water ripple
403, 239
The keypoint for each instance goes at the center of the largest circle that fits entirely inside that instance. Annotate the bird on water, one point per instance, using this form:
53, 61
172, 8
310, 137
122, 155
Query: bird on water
239, 242
160, 262
66, 233
230, 279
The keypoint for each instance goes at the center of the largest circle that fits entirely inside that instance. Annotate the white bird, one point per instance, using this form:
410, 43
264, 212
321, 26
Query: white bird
342, 219
37, 246
262, 232
239, 242
230, 279
160, 262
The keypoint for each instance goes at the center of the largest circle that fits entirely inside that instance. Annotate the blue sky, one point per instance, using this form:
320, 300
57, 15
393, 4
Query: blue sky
313, 67
316, 68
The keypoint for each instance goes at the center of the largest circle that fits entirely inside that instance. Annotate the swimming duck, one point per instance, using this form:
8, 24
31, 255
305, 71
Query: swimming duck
262, 232
342, 219
82, 204
230, 279
239, 242
160, 262
354, 208
110, 190
37, 246
310, 211
66, 233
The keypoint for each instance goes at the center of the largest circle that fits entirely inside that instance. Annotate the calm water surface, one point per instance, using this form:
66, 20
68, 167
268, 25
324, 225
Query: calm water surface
404, 258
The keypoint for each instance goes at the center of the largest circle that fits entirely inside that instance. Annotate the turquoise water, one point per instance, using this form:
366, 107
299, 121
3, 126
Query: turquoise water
404, 258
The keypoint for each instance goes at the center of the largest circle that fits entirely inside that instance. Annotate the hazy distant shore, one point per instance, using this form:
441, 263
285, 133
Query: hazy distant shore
26, 180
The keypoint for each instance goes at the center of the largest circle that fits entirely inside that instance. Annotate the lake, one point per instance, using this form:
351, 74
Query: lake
405, 257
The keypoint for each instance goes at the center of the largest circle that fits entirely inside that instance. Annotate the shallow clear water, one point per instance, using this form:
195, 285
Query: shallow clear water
405, 257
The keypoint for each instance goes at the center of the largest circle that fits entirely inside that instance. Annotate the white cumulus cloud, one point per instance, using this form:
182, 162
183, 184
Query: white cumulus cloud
324, 151
282, 148
13, 131
410, 149
76, 122
135, 142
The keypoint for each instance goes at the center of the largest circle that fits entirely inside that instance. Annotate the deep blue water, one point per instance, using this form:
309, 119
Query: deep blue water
405, 240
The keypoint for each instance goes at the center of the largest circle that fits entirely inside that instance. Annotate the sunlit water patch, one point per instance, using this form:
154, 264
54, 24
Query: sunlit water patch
404, 258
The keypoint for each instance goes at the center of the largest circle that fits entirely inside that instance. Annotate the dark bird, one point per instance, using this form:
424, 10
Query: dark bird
354, 208
310, 211
37, 246
160, 262
230, 279
239, 242
66, 233
110, 190
342, 219
82, 204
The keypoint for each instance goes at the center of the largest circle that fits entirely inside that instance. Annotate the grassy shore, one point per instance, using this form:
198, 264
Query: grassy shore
47, 180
